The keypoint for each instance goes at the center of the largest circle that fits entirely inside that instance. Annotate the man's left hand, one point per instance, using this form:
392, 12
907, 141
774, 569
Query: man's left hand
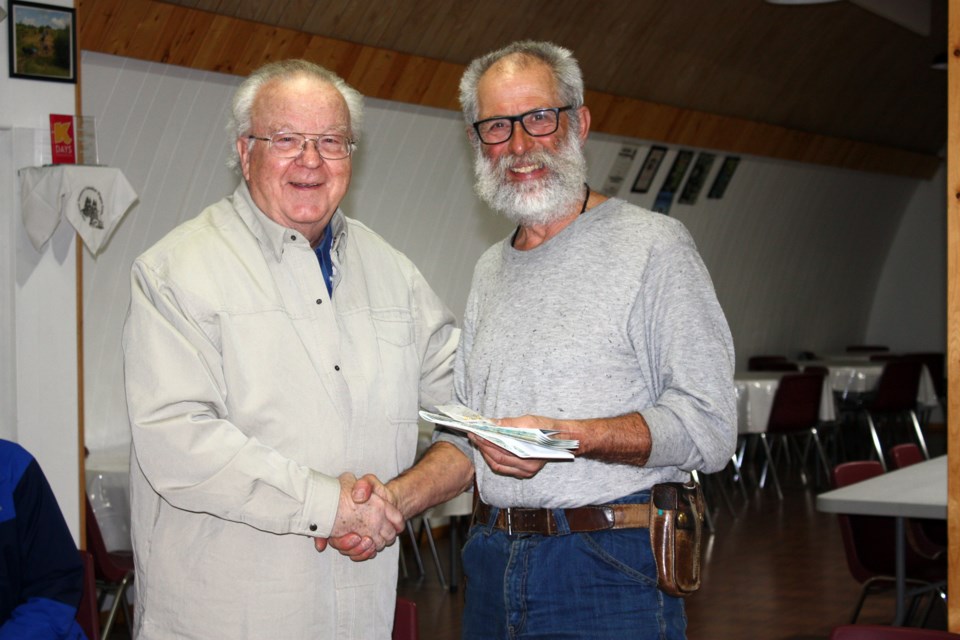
505, 463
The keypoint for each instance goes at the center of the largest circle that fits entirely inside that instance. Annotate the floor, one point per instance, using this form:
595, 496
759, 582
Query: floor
774, 570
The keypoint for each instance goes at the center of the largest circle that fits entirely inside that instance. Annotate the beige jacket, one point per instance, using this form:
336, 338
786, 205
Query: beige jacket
249, 391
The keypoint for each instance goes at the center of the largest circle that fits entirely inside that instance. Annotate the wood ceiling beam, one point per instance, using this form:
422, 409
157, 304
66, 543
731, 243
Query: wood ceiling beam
159, 32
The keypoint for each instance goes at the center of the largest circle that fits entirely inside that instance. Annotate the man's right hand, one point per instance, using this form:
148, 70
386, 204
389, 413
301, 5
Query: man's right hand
367, 519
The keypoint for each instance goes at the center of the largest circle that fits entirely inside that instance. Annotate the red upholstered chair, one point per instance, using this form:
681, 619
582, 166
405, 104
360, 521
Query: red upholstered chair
405, 623
795, 412
929, 537
869, 543
878, 632
88, 613
895, 399
114, 572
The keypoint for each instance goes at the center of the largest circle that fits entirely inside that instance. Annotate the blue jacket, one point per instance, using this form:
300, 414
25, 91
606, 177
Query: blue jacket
41, 574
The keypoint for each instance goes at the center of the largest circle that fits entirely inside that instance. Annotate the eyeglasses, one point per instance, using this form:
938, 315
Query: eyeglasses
330, 146
537, 123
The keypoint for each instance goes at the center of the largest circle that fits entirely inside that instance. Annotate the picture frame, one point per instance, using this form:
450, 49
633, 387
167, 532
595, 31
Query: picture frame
43, 42
669, 188
724, 176
698, 176
649, 169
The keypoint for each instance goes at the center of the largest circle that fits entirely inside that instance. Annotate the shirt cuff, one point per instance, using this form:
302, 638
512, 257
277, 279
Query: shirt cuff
320, 506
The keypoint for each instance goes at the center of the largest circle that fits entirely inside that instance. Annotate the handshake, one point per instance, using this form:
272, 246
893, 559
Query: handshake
368, 518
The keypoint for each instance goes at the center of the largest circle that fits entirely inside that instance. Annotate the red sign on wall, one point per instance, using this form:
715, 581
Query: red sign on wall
62, 139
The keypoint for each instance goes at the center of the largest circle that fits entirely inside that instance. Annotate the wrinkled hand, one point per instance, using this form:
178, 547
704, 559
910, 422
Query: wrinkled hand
505, 463
367, 519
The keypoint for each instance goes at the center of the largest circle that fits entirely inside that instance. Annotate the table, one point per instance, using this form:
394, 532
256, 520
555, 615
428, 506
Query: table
851, 375
755, 392
917, 491
108, 487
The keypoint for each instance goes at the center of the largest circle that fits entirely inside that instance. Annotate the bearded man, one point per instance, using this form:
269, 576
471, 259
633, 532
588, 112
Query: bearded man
596, 319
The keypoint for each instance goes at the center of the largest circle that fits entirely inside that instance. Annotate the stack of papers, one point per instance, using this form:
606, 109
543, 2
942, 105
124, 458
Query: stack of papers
523, 443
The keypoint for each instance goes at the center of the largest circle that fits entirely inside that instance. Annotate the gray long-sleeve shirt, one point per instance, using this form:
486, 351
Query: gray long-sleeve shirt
615, 314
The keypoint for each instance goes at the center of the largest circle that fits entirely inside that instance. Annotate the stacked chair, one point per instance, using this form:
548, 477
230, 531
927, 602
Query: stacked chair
869, 543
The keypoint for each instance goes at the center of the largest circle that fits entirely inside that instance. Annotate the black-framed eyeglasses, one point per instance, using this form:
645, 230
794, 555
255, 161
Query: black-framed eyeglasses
330, 146
537, 123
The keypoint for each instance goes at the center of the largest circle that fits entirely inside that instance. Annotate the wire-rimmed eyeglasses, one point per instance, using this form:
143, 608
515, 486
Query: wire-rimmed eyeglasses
537, 123
330, 146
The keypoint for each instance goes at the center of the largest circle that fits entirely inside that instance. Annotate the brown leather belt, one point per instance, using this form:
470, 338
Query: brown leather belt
580, 519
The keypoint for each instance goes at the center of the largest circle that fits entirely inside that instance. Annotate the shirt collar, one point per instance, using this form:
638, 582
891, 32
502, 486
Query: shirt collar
274, 237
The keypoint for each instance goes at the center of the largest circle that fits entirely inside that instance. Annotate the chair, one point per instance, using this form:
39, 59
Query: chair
88, 613
795, 411
928, 536
114, 573
896, 397
869, 543
867, 348
770, 363
879, 632
405, 621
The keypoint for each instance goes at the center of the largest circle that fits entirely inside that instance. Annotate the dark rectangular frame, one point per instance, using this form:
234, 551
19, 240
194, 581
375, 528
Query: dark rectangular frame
698, 176
648, 170
724, 176
17, 50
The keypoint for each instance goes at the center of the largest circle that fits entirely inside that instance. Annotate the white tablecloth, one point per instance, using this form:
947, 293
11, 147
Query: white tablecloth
854, 375
755, 392
108, 487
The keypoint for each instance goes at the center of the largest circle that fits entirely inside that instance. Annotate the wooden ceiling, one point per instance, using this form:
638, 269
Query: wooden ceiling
834, 69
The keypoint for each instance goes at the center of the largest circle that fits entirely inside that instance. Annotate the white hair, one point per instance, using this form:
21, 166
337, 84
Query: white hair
239, 125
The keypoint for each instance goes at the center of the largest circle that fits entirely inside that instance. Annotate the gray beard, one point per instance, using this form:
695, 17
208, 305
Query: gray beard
537, 202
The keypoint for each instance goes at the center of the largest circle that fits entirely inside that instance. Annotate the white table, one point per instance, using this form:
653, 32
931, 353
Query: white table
917, 491
108, 487
858, 375
755, 392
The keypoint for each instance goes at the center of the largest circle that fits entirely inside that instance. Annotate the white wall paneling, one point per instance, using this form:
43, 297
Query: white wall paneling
795, 251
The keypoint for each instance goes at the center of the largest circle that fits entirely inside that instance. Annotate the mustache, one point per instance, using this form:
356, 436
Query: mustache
539, 157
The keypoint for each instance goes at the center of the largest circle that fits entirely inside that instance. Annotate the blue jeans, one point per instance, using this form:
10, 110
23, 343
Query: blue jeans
596, 586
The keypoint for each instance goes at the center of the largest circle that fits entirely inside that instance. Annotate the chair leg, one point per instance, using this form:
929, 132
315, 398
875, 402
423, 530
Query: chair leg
738, 475
770, 464
876, 441
414, 544
425, 524
119, 600
708, 513
814, 433
919, 432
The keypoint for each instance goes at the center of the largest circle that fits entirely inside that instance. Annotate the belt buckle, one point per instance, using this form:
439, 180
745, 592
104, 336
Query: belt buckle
509, 512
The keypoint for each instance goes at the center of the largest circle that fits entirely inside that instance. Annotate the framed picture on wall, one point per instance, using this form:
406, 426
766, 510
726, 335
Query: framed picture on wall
724, 176
698, 175
670, 186
648, 170
43, 42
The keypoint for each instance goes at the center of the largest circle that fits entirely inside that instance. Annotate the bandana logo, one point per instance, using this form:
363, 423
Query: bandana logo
90, 206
